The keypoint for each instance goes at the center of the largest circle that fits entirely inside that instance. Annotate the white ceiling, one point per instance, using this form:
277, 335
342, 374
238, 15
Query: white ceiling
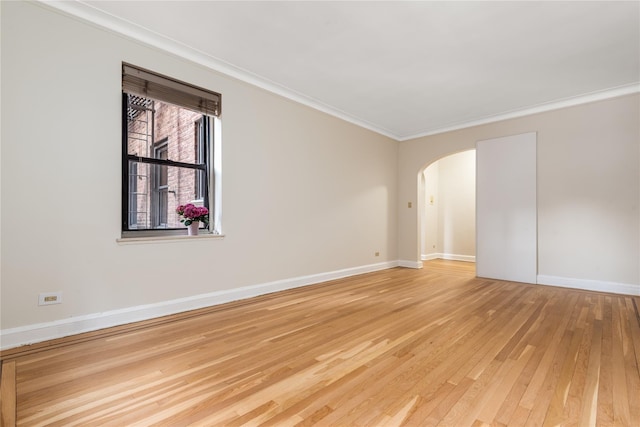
403, 69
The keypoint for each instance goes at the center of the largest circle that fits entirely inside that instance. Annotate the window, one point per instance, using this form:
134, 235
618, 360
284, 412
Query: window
170, 156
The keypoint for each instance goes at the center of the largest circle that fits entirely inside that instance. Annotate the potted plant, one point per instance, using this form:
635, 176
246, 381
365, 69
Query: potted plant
192, 216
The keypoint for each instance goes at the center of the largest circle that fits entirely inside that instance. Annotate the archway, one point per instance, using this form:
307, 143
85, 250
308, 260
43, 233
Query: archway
414, 157
446, 208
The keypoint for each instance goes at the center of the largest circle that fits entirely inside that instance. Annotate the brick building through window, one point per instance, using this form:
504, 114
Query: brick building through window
170, 155
160, 130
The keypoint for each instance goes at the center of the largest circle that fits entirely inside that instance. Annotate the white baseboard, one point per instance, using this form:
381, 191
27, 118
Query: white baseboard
589, 285
31, 334
452, 257
410, 264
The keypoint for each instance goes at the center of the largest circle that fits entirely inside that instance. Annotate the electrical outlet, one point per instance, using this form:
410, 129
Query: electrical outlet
409, 204
50, 298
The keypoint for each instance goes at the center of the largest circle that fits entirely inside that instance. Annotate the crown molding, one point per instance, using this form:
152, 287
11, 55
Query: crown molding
540, 108
122, 27
101, 19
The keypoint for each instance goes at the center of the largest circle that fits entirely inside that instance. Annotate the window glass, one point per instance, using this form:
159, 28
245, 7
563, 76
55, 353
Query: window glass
168, 152
154, 203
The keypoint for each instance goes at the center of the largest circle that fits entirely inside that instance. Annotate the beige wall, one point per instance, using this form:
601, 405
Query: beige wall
430, 213
303, 192
588, 183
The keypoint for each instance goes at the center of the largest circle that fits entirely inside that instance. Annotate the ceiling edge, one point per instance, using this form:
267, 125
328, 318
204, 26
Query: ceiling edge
133, 31
540, 108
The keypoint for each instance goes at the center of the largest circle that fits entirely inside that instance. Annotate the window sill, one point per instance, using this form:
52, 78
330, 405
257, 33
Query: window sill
166, 239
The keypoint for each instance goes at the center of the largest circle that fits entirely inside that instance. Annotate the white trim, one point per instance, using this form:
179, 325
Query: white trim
30, 334
167, 239
452, 257
410, 264
589, 285
429, 257
535, 109
133, 31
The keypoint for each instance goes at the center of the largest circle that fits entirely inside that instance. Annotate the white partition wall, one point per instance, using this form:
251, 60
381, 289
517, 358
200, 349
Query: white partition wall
506, 224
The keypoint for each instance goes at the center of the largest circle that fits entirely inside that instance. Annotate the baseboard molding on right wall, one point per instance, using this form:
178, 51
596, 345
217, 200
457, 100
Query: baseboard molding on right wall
589, 285
451, 257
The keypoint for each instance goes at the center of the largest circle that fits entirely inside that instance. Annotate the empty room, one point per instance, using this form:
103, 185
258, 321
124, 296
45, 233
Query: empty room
320, 213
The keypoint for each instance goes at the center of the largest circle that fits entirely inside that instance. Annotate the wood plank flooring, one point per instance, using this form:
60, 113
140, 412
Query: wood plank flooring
8, 394
399, 347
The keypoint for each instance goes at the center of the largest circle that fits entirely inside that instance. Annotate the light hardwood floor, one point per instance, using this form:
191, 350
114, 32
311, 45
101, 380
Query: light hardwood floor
398, 347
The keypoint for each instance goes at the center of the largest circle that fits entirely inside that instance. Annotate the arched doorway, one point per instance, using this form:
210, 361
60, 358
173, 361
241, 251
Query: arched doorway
447, 208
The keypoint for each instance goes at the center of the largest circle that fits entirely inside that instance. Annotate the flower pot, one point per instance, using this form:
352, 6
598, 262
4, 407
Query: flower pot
192, 229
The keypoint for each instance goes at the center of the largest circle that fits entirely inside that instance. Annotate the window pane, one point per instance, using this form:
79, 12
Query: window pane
156, 191
177, 125
139, 125
200, 156
160, 196
150, 121
133, 195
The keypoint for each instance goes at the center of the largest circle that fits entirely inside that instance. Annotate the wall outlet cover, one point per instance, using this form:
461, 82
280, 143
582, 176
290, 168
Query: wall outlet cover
49, 298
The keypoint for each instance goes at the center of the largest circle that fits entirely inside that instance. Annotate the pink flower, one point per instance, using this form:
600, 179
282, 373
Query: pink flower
191, 213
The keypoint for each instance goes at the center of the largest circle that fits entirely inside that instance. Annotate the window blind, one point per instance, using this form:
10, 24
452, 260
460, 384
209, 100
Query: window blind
145, 83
